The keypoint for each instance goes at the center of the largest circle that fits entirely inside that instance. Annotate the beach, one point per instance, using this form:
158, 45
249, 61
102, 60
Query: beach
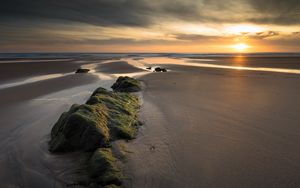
218, 128
208, 122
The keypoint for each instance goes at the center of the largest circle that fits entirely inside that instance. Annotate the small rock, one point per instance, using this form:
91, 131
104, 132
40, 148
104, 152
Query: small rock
152, 148
82, 70
148, 68
159, 69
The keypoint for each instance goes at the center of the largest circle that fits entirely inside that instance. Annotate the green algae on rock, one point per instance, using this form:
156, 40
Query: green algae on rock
106, 116
83, 127
122, 109
90, 127
127, 84
102, 168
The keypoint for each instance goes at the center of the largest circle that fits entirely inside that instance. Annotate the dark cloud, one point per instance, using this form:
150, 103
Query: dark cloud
97, 12
266, 34
196, 37
276, 11
36, 21
144, 12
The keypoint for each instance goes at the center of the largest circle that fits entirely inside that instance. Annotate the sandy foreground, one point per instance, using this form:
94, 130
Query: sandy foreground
209, 127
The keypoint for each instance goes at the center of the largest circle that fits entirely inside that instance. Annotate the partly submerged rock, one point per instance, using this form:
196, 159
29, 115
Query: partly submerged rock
159, 69
127, 84
82, 70
102, 168
106, 116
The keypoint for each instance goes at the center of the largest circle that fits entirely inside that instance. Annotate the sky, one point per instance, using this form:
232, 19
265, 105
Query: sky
181, 26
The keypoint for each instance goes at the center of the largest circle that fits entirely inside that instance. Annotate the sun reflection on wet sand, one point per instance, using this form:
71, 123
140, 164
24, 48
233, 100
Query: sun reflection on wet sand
32, 80
187, 62
239, 60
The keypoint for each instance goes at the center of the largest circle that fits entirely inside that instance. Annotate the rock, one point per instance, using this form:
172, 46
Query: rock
83, 127
82, 70
102, 168
152, 148
106, 116
149, 68
122, 109
159, 69
127, 84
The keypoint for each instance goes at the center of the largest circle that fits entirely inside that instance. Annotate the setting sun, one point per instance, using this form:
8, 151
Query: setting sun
240, 47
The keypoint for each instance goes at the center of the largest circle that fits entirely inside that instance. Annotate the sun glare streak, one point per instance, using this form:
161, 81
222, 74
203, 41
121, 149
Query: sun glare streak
240, 47
241, 29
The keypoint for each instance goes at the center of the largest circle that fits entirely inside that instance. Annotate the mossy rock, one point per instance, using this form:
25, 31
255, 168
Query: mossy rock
83, 127
106, 116
102, 168
122, 112
127, 84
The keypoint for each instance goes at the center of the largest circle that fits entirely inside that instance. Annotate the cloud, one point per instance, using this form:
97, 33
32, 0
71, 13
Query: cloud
100, 12
145, 12
264, 35
276, 11
106, 22
197, 37
96, 12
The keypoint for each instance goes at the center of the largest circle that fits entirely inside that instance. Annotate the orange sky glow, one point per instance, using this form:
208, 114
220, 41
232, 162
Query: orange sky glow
190, 26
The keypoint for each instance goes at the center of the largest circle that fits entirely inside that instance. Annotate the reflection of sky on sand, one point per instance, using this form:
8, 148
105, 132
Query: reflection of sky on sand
32, 80
77, 94
33, 60
143, 63
164, 60
91, 66
104, 76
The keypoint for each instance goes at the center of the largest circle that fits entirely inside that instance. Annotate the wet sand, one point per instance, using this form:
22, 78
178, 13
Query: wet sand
28, 112
218, 128
116, 67
204, 127
243, 60
12, 95
16, 70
